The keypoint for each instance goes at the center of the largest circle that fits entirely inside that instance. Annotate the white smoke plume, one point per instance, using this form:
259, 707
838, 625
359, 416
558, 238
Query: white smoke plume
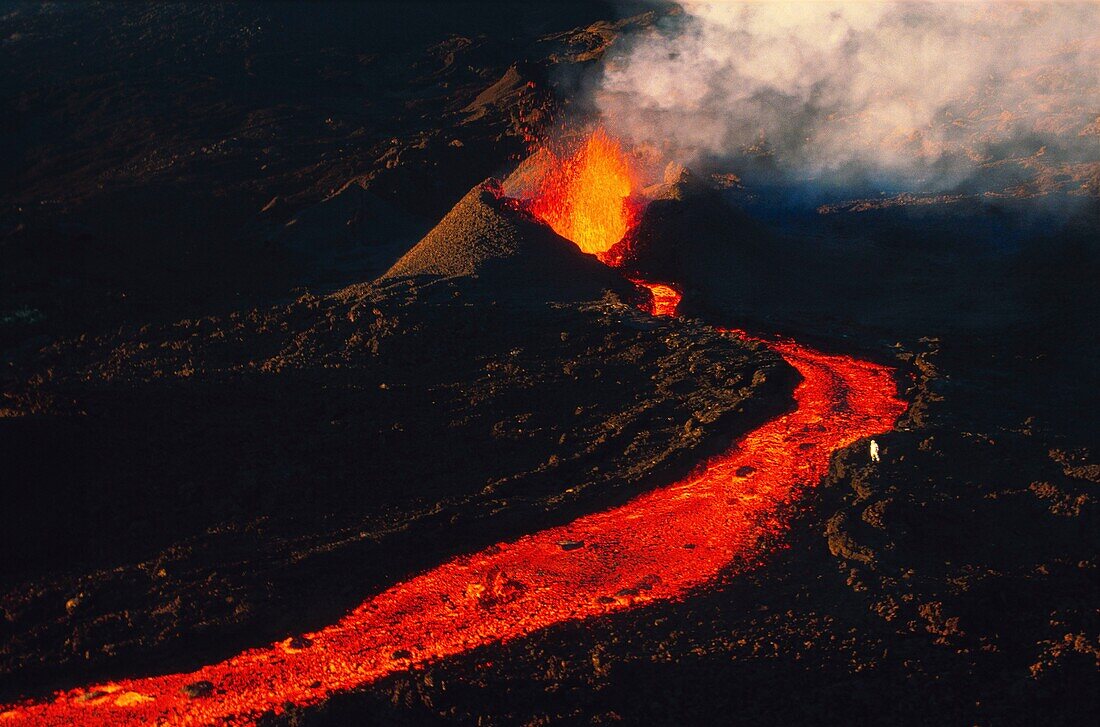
918, 93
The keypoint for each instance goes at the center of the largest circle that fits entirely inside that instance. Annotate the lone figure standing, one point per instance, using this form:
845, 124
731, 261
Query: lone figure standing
874, 451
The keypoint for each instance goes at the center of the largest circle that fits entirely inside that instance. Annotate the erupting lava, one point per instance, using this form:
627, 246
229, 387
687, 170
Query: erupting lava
587, 197
660, 545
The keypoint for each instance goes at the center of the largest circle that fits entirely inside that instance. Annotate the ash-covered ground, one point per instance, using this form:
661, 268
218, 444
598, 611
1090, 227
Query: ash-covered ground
218, 429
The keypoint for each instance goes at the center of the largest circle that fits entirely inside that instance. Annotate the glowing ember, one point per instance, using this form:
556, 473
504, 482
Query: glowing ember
586, 198
660, 545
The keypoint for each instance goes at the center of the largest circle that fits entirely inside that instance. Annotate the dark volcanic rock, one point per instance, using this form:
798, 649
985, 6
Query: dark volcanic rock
901, 272
691, 235
176, 490
198, 689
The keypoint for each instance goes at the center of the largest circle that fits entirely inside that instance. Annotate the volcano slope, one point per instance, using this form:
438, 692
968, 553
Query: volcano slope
189, 490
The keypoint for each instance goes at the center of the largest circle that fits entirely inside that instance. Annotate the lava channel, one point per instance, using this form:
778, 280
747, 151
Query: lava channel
658, 546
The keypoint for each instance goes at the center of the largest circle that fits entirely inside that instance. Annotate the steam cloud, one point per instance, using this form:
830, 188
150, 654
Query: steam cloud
916, 93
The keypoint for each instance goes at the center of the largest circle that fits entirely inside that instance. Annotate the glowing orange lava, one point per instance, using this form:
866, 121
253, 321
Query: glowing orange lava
586, 198
659, 546
666, 299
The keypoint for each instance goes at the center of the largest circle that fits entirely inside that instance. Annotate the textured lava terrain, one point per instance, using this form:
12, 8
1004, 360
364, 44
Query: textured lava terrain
659, 546
216, 433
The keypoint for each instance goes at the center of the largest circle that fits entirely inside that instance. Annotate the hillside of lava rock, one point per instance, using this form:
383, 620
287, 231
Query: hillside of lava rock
352, 372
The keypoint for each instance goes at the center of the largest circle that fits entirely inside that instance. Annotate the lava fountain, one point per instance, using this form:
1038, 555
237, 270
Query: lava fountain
587, 197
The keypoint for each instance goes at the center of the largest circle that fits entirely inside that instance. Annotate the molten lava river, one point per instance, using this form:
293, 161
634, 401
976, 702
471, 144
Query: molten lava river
661, 545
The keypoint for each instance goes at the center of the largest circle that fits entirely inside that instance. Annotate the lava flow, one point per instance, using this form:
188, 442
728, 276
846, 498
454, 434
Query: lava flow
665, 298
659, 546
